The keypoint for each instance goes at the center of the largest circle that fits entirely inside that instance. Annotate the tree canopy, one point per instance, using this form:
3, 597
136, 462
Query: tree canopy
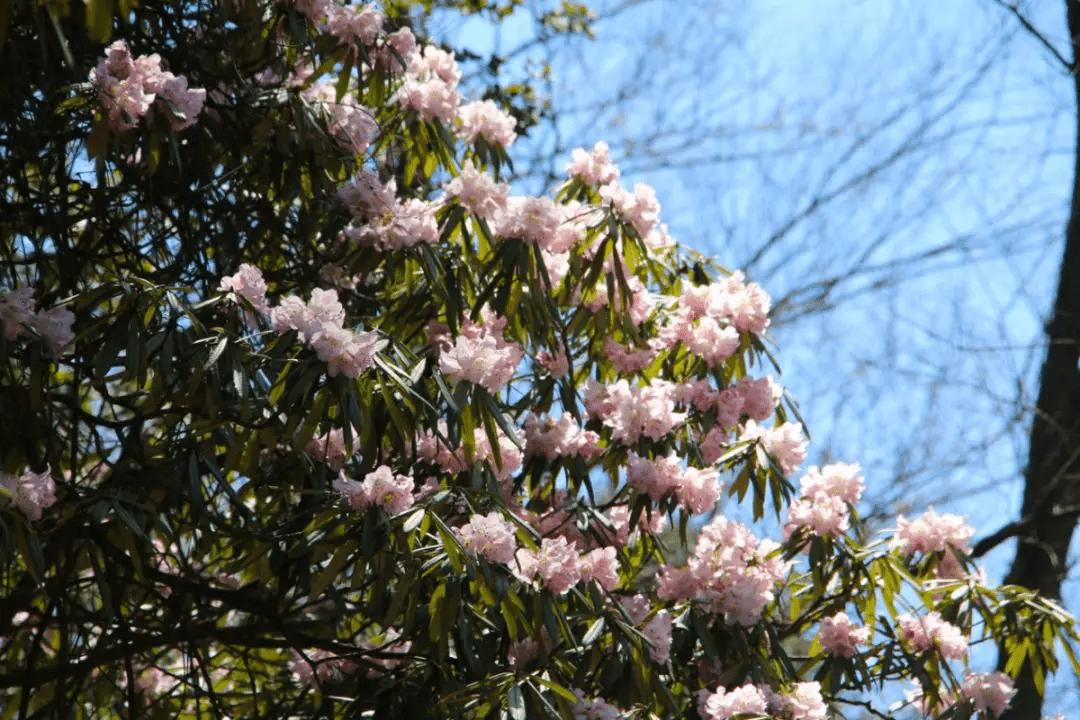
307, 414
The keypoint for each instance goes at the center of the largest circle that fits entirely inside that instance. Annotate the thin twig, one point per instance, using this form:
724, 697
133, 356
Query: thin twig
1012, 7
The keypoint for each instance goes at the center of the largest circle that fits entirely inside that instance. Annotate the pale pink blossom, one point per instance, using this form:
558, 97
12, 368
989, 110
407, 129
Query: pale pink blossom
990, 692
355, 25
724, 704
485, 119
556, 563
601, 565
838, 636
16, 310
393, 493
128, 87
491, 536
639, 208
431, 79
54, 326
931, 533
730, 571
930, 631
558, 364
480, 355
803, 702
594, 709
331, 448
247, 283
30, 492
593, 168
478, 192
563, 437
785, 443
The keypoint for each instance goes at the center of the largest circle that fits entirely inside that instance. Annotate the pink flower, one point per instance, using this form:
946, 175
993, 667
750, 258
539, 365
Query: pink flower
558, 365
331, 449
593, 168
54, 326
431, 79
658, 633
724, 704
931, 533
478, 192
595, 709
16, 310
487, 120
184, 104
393, 493
557, 563
128, 87
248, 283
481, 356
491, 536
785, 443
990, 691
930, 631
804, 702
351, 24
601, 565
30, 492
640, 208
839, 637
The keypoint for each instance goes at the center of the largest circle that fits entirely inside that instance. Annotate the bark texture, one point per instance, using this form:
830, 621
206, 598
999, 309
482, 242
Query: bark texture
1052, 477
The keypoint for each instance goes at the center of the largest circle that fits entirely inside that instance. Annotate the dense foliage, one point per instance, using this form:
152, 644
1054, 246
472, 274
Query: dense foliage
306, 414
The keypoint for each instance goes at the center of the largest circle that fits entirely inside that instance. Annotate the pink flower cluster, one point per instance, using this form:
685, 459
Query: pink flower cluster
353, 25
991, 692
351, 124
247, 285
554, 228
559, 565
785, 443
17, 313
930, 631
331, 449
128, 87
698, 489
559, 438
657, 629
731, 571
826, 497
383, 221
393, 493
632, 412
478, 192
481, 355
595, 709
593, 168
639, 208
838, 636
931, 533
802, 702
30, 492
485, 119
490, 536
430, 87
452, 460
319, 322
988, 692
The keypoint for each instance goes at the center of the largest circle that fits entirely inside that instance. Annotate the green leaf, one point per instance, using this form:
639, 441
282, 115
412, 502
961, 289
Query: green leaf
99, 20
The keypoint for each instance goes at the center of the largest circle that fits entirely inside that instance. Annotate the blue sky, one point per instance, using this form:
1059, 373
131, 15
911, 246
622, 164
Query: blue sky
918, 155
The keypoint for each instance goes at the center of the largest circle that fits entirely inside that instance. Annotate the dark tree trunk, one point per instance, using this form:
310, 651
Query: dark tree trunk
1052, 477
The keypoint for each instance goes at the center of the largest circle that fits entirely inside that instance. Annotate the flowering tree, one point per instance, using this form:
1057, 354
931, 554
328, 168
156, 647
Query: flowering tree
306, 414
